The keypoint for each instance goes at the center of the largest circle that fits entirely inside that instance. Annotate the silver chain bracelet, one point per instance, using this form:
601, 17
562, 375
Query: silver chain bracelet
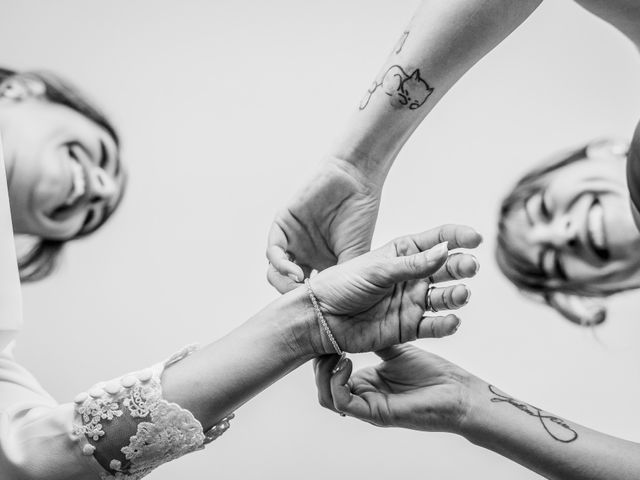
321, 319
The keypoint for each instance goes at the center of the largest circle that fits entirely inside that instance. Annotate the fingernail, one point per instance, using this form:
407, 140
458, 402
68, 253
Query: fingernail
455, 329
294, 277
339, 366
468, 296
439, 249
477, 263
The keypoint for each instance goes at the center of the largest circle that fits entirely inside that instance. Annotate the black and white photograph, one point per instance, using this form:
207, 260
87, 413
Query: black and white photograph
357, 239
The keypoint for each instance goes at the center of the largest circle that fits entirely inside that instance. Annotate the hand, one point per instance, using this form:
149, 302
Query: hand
329, 221
379, 299
411, 389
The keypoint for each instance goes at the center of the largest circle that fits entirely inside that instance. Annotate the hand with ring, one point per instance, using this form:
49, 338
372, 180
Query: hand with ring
379, 299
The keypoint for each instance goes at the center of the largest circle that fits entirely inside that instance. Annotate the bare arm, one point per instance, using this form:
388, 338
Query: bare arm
622, 14
545, 443
442, 42
332, 217
415, 389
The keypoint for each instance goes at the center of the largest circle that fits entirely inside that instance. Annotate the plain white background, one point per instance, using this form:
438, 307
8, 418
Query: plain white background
224, 108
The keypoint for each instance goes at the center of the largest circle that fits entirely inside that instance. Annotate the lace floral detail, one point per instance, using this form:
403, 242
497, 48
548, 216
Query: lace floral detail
171, 433
141, 399
163, 431
92, 412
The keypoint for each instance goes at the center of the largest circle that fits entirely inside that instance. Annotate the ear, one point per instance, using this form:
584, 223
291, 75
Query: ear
415, 75
585, 311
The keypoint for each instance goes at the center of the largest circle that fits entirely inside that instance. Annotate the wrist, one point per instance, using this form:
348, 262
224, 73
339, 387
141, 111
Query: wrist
369, 171
477, 414
296, 321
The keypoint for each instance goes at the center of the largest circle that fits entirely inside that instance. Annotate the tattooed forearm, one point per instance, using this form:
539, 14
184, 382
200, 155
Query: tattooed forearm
400, 44
556, 427
405, 90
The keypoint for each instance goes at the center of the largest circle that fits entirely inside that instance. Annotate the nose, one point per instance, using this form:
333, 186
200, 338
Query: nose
562, 234
101, 185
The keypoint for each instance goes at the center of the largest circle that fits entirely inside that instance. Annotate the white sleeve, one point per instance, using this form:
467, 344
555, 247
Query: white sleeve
120, 430
10, 293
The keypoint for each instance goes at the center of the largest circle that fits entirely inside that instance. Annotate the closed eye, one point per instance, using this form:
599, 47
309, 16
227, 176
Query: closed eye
104, 156
558, 264
544, 208
551, 264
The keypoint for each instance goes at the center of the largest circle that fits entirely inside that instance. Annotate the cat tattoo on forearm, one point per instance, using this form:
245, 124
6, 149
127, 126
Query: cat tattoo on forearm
403, 89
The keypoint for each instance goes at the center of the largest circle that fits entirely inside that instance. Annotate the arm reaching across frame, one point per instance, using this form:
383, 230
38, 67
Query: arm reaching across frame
332, 217
417, 390
124, 428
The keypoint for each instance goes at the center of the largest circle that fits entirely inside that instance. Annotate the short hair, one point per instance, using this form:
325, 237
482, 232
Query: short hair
519, 269
42, 256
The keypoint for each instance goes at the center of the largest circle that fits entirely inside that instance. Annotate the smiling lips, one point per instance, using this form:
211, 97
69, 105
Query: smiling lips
595, 230
76, 194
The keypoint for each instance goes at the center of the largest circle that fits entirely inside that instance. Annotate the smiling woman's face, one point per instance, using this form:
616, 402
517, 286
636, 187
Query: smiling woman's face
62, 168
576, 228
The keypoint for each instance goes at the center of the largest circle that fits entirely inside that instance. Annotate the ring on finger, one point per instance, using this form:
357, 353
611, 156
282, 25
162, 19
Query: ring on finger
429, 301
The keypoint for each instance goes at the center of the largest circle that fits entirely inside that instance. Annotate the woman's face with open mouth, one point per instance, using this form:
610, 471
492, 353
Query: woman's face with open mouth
62, 169
577, 227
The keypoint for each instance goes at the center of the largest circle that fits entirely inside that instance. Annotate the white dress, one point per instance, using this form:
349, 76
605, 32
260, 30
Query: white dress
120, 429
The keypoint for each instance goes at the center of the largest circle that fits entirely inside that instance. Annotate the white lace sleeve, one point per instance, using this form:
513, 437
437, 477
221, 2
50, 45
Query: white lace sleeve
129, 429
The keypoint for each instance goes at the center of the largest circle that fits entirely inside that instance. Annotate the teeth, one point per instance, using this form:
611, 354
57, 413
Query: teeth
78, 183
596, 225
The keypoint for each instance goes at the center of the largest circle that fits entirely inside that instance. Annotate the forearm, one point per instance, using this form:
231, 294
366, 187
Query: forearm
551, 446
622, 14
133, 423
442, 42
217, 379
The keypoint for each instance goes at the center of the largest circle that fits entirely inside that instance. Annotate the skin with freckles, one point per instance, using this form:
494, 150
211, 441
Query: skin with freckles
62, 168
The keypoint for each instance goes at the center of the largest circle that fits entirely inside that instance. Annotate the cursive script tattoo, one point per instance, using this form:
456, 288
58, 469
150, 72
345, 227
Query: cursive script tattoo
556, 427
400, 44
403, 89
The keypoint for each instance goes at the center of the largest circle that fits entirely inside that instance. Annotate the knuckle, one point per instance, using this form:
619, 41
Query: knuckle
410, 263
270, 273
403, 245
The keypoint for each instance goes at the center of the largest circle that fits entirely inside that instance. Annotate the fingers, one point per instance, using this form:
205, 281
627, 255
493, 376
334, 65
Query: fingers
447, 298
458, 236
323, 366
343, 400
437, 327
419, 265
280, 282
457, 266
277, 255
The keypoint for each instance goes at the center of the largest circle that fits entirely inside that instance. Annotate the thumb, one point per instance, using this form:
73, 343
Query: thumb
419, 265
